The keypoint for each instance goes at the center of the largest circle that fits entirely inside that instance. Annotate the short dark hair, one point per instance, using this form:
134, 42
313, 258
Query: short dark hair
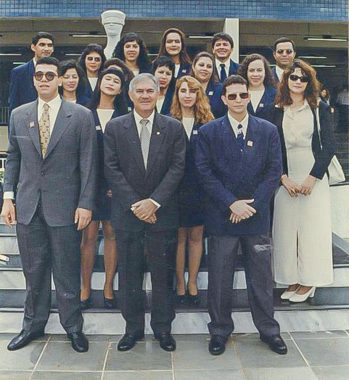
284, 39
222, 36
128, 74
49, 61
163, 61
233, 79
72, 64
40, 35
91, 48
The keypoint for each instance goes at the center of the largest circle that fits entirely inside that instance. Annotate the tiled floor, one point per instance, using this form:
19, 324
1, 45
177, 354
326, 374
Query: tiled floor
311, 356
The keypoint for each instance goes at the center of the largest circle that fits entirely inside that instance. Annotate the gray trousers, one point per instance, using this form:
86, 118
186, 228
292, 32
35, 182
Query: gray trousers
222, 253
44, 249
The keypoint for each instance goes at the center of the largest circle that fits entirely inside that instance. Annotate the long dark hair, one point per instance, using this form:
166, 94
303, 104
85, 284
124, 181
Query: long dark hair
91, 48
143, 61
183, 55
119, 101
268, 80
72, 64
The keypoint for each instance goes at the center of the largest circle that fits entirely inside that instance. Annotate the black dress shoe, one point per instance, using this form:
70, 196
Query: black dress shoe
180, 299
24, 338
217, 345
194, 300
109, 303
78, 341
86, 304
275, 343
128, 341
166, 341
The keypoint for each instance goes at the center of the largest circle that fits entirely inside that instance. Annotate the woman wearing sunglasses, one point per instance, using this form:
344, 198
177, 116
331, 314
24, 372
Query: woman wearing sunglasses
73, 83
203, 70
163, 70
302, 216
173, 46
91, 61
190, 106
132, 50
255, 69
107, 102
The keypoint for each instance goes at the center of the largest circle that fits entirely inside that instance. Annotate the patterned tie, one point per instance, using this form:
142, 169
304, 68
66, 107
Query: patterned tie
223, 73
145, 140
240, 137
44, 129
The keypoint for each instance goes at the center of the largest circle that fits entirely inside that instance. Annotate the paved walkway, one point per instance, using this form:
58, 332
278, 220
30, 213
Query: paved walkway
319, 355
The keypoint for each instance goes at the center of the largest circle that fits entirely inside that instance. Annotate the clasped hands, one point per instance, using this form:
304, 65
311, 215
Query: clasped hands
145, 210
294, 188
241, 210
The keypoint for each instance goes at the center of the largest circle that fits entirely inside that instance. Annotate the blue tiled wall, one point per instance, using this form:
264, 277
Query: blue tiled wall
329, 10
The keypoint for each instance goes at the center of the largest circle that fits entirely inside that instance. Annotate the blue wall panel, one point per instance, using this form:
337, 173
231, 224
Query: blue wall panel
327, 10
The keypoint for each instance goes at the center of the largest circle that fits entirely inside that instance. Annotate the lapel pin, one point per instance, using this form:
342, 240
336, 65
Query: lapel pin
31, 124
210, 93
261, 105
157, 132
249, 143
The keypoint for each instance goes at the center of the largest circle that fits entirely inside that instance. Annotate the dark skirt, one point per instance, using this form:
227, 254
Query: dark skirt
191, 211
103, 206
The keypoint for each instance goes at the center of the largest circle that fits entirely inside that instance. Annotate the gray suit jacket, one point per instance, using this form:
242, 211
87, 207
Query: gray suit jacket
66, 178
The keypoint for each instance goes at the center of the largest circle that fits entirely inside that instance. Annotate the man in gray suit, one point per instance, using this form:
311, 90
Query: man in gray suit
51, 166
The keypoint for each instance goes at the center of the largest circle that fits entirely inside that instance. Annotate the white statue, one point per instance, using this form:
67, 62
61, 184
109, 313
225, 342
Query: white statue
113, 22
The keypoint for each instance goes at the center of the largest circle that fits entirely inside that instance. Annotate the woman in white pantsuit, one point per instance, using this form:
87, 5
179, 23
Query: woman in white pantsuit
302, 216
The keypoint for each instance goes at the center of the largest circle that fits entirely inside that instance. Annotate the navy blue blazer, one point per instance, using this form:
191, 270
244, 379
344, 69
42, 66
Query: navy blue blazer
233, 69
214, 92
22, 88
229, 174
276, 78
166, 105
267, 99
184, 69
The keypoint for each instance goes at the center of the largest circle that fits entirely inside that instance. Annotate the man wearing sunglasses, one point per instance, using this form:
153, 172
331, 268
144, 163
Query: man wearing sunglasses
238, 158
51, 166
284, 54
22, 88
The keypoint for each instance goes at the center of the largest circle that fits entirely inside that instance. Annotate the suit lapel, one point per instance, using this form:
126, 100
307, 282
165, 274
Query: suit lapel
229, 139
135, 143
61, 124
157, 135
33, 125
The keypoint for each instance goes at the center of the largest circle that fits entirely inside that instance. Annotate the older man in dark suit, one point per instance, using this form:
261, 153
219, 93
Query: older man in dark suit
239, 162
22, 89
144, 163
51, 166
284, 52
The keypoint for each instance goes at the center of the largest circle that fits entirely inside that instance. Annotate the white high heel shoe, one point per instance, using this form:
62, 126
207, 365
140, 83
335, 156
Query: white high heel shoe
303, 297
287, 294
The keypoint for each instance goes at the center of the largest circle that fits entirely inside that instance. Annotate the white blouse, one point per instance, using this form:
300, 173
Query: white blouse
104, 116
188, 123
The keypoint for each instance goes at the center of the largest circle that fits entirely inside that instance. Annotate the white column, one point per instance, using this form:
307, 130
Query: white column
231, 26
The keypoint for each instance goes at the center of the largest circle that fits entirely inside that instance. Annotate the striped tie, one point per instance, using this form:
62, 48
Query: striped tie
44, 129
145, 140
240, 137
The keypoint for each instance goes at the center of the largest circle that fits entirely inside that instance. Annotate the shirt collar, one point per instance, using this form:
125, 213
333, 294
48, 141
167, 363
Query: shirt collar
219, 63
279, 72
138, 117
53, 104
234, 123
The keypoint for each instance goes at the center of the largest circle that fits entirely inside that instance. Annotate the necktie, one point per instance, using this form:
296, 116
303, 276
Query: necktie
145, 140
44, 129
240, 137
223, 73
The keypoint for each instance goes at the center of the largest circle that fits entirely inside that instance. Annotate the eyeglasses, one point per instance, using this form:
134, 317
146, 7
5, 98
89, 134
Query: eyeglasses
242, 95
96, 59
303, 79
49, 75
282, 51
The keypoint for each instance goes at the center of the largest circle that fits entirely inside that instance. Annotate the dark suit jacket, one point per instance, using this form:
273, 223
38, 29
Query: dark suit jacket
266, 100
276, 78
322, 156
128, 179
22, 88
166, 105
214, 92
229, 174
65, 179
233, 69
184, 69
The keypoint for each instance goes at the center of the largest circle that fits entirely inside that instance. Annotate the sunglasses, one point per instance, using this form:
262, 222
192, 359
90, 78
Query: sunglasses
282, 51
96, 59
242, 95
49, 75
303, 79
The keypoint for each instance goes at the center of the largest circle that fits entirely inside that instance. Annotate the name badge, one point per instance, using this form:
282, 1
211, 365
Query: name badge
249, 143
261, 105
184, 70
31, 124
98, 128
195, 132
210, 93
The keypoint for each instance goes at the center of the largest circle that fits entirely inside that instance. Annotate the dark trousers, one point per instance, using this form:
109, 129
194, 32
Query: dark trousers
160, 248
222, 253
44, 249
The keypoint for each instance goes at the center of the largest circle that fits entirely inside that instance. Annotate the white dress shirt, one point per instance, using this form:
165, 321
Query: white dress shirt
177, 66
234, 124
256, 96
226, 67
279, 72
93, 82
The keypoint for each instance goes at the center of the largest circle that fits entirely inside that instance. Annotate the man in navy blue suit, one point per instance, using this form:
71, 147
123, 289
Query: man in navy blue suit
284, 52
238, 158
22, 88
222, 48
